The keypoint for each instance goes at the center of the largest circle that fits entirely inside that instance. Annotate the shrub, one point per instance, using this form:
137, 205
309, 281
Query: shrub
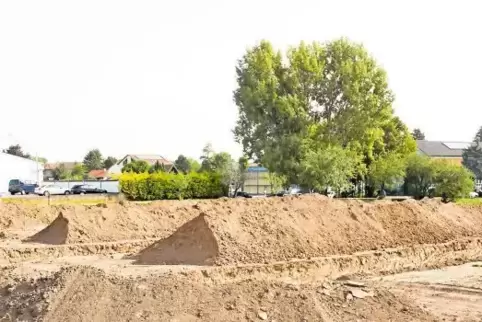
155, 186
452, 181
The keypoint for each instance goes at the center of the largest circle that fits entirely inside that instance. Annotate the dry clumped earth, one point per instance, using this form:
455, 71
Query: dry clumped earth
86, 294
223, 232
269, 230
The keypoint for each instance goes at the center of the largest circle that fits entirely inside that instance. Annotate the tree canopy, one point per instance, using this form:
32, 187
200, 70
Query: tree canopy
316, 95
420, 174
93, 160
17, 151
452, 181
330, 167
137, 166
418, 134
182, 164
109, 162
472, 156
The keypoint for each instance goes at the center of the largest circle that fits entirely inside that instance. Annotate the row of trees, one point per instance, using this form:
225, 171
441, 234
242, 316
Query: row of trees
321, 115
230, 171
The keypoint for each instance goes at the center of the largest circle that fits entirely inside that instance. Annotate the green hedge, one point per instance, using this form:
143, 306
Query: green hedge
162, 185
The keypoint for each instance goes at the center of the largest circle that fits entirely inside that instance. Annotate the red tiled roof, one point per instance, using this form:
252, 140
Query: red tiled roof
98, 173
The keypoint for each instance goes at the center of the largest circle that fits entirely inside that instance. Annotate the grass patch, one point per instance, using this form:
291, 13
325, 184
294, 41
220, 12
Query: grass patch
59, 201
469, 201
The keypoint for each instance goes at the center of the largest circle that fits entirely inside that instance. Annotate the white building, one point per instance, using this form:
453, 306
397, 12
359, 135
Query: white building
13, 167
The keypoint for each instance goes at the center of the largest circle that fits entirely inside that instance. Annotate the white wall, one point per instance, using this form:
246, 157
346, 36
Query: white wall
12, 167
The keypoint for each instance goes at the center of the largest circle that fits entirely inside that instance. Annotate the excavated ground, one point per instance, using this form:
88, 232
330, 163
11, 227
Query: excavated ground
230, 260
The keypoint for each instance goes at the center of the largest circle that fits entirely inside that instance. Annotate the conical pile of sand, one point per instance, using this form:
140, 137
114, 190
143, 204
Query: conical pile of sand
192, 244
57, 233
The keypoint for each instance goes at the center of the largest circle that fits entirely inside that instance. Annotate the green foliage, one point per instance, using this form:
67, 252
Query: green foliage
182, 164
452, 181
276, 181
418, 134
156, 186
39, 159
93, 160
61, 173
469, 201
78, 172
194, 165
109, 162
331, 167
214, 162
17, 151
420, 174
387, 171
472, 156
137, 166
326, 94
157, 167
186, 165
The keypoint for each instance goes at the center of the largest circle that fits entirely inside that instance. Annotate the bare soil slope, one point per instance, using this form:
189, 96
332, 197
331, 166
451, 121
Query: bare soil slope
280, 229
86, 294
112, 222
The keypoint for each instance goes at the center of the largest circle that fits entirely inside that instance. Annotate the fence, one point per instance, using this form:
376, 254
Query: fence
112, 186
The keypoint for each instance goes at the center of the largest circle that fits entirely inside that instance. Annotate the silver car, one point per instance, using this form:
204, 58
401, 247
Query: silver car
52, 189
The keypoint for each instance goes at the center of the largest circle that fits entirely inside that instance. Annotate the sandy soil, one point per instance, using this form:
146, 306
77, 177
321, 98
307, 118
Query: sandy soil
279, 259
279, 229
87, 294
451, 293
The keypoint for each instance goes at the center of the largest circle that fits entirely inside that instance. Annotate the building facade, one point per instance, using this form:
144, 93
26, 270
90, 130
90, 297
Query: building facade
450, 151
14, 167
257, 180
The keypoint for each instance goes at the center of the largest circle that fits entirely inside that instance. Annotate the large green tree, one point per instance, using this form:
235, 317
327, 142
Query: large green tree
93, 160
472, 156
331, 94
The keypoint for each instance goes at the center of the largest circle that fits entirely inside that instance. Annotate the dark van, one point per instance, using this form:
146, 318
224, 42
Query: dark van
16, 186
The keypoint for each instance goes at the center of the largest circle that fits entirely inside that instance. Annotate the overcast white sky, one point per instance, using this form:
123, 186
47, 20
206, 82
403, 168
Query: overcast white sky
157, 76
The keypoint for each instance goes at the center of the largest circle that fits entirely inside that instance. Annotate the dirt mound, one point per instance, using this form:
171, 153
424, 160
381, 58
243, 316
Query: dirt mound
280, 229
17, 221
193, 244
86, 294
13, 216
113, 222
56, 233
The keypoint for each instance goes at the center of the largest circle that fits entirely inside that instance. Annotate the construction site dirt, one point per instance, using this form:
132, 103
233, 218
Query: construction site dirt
298, 258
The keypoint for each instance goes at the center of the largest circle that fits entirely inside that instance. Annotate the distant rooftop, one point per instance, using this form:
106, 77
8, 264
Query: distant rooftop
442, 148
151, 158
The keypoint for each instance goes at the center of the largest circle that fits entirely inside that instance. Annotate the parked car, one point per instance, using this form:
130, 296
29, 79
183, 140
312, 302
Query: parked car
16, 186
473, 194
82, 189
52, 189
242, 194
